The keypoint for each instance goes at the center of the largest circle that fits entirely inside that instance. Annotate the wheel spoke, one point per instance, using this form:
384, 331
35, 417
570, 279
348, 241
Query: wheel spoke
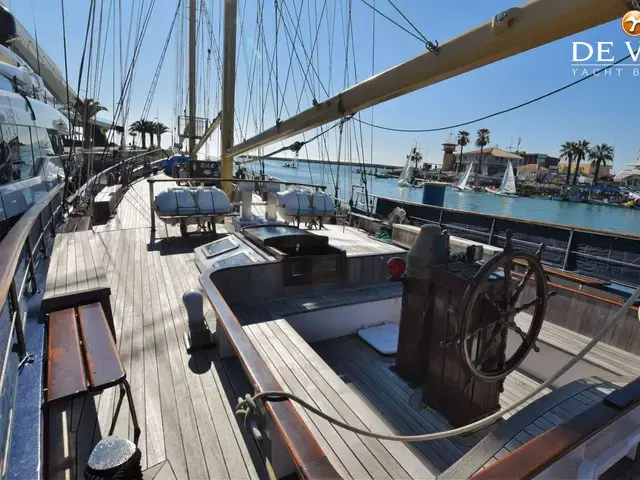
493, 303
487, 345
520, 288
523, 307
524, 336
507, 282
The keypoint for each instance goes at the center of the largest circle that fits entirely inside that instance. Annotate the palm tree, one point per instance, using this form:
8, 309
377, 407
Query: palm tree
159, 128
567, 152
88, 109
138, 127
484, 137
600, 155
582, 149
463, 141
148, 127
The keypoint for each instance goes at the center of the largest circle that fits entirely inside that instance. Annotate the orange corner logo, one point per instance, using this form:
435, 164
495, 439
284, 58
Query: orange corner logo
631, 23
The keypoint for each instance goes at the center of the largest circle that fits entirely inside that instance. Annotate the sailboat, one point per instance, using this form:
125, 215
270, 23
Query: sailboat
462, 186
508, 185
305, 374
406, 175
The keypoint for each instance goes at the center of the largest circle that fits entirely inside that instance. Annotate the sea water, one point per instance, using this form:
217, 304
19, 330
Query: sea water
613, 219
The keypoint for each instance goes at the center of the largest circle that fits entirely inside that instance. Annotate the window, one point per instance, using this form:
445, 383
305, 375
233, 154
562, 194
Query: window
44, 142
56, 142
22, 153
6, 84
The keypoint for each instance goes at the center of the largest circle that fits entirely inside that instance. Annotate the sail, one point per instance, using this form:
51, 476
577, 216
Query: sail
405, 174
508, 184
463, 183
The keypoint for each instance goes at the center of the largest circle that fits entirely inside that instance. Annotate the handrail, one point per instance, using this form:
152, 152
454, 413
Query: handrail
12, 244
513, 219
93, 180
308, 456
11, 248
538, 454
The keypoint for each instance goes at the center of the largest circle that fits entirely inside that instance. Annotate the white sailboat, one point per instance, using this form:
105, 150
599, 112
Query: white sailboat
508, 185
462, 186
406, 175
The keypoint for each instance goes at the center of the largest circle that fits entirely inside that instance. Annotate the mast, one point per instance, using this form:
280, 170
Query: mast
228, 92
192, 80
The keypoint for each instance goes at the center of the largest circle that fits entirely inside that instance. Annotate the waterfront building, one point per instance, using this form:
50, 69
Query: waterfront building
494, 161
533, 173
540, 159
587, 169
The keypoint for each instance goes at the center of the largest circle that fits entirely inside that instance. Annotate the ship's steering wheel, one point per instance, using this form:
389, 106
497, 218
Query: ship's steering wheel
498, 291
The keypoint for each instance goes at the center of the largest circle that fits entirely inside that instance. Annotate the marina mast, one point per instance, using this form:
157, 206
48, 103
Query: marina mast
192, 80
228, 92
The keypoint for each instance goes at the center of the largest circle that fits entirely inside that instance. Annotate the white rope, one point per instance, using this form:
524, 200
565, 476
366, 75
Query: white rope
246, 405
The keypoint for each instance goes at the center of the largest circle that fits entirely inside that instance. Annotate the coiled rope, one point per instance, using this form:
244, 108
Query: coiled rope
248, 405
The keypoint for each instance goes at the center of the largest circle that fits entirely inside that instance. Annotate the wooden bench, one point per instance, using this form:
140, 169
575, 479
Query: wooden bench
76, 275
299, 369
82, 358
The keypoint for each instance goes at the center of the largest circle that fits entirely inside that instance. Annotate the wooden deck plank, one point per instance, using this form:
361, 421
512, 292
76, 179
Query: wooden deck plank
196, 462
234, 452
344, 465
396, 458
171, 394
386, 397
82, 267
174, 447
206, 428
60, 245
322, 398
154, 435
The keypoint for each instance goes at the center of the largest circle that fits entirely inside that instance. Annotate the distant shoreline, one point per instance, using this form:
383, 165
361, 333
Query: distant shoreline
368, 166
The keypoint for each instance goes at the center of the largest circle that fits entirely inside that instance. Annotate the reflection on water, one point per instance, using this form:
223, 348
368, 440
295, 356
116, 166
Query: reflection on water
614, 219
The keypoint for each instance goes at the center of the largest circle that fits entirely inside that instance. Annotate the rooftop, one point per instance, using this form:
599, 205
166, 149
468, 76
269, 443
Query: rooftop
495, 152
533, 166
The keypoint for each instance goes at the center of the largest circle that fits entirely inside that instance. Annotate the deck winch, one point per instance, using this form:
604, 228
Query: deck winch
456, 316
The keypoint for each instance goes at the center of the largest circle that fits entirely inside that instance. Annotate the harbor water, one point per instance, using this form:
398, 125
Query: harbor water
613, 219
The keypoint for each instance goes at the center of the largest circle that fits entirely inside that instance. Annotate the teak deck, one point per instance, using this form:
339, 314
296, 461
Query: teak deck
182, 401
186, 403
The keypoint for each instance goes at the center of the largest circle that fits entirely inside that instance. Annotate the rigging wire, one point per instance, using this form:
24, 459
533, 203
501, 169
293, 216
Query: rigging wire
392, 21
425, 39
373, 69
156, 76
595, 73
35, 30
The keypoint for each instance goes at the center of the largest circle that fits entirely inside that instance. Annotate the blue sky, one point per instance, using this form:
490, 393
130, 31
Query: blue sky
594, 110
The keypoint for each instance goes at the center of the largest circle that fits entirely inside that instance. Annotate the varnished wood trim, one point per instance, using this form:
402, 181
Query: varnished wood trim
580, 292
538, 454
307, 455
13, 243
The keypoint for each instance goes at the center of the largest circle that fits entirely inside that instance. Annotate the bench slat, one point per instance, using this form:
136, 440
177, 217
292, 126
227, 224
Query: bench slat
66, 373
104, 365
